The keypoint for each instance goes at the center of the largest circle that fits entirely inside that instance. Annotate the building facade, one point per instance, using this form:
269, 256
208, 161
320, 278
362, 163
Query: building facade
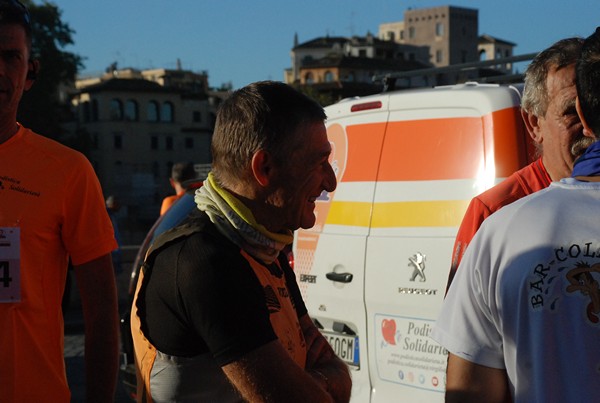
450, 34
137, 124
428, 39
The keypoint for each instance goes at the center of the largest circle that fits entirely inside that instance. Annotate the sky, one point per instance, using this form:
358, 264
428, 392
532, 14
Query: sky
242, 41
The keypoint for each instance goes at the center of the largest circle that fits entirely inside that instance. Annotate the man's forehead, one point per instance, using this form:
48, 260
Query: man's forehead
12, 33
561, 83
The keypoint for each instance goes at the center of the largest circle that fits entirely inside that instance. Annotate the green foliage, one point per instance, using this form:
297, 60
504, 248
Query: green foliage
41, 109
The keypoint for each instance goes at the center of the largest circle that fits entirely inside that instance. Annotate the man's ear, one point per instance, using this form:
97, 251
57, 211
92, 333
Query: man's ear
586, 128
32, 72
262, 167
533, 126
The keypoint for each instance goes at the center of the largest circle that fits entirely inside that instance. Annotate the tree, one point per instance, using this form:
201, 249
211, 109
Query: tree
41, 108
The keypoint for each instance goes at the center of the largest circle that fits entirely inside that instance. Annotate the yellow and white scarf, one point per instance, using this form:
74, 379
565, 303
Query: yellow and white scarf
234, 220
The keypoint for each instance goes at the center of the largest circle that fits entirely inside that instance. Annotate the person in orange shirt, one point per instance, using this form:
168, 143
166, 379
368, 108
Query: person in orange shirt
548, 109
51, 210
181, 172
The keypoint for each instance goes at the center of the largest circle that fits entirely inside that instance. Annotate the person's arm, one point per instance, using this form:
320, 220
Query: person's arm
268, 374
469, 382
324, 364
97, 287
476, 213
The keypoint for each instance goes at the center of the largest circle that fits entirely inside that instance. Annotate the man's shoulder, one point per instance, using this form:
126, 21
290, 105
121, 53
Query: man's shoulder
50, 147
194, 231
521, 183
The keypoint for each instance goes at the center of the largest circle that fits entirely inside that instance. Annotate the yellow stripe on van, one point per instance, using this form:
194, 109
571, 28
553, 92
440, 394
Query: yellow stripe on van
436, 213
349, 213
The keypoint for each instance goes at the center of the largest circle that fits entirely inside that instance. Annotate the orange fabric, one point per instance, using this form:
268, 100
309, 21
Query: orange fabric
168, 202
283, 316
51, 193
145, 352
526, 181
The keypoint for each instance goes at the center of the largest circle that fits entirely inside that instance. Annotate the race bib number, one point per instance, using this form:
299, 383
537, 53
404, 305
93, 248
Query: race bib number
10, 265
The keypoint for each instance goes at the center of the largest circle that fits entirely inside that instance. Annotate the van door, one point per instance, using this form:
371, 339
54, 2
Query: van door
435, 158
330, 257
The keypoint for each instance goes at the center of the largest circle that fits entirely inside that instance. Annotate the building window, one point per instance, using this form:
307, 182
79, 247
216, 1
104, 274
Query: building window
94, 110
166, 114
196, 116
189, 142
328, 77
116, 109
362, 53
439, 29
401, 35
169, 143
154, 143
438, 56
411, 33
309, 79
156, 170
131, 110
118, 141
86, 111
152, 111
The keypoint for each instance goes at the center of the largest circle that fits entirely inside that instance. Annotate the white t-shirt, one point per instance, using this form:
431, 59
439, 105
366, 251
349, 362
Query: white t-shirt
526, 296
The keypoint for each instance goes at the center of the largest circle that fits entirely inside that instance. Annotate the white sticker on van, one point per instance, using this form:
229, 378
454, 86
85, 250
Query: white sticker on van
406, 355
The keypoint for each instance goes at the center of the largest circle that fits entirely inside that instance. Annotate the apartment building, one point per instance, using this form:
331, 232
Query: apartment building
427, 38
451, 35
137, 125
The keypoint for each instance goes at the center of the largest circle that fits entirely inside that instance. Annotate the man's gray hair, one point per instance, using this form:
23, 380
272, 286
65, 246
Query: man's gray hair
562, 54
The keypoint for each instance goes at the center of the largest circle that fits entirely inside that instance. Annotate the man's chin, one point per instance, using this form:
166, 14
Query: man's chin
308, 223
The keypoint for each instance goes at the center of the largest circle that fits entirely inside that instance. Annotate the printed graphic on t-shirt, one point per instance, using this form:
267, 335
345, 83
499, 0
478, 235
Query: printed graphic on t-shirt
574, 272
8, 183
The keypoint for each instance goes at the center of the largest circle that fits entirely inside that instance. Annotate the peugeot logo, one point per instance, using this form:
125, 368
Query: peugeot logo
417, 262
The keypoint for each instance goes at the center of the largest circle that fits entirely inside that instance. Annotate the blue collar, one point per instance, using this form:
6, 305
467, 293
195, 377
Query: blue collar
588, 164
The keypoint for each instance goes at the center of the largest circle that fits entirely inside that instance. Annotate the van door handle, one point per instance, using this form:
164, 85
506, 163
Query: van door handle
339, 277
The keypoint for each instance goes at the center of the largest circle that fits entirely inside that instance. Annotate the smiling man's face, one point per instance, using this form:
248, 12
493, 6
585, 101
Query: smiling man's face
307, 173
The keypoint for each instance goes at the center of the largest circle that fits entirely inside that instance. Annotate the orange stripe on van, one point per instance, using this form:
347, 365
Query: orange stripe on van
513, 143
364, 149
436, 149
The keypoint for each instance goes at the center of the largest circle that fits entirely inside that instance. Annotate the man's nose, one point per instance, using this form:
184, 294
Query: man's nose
329, 181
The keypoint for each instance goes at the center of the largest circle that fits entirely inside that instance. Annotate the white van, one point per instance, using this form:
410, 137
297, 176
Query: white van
373, 269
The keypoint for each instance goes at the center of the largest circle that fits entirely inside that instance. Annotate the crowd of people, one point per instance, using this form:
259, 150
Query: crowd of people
521, 306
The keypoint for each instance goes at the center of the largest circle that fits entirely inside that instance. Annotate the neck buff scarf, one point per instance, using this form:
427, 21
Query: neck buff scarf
234, 220
588, 164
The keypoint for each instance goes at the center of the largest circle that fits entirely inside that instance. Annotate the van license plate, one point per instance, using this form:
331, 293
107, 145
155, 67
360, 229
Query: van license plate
346, 347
